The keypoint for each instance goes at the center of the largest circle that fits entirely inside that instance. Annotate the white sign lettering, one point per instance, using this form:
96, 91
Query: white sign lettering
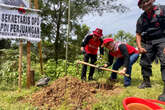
19, 24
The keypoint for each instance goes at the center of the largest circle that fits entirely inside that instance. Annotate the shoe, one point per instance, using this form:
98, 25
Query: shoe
126, 85
83, 78
127, 81
90, 78
162, 97
112, 80
144, 85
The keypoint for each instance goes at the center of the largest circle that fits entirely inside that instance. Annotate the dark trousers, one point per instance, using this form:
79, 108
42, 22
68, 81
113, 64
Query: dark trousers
119, 62
92, 69
147, 58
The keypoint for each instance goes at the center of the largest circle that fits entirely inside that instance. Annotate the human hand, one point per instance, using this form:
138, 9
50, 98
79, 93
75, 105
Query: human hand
100, 57
105, 65
164, 51
142, 50
83, 50
99, 67
123, 71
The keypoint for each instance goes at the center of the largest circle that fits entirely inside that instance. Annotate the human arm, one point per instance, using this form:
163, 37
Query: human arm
101, 48
110, 61
138, 42
125, 54
85, 42
139, 31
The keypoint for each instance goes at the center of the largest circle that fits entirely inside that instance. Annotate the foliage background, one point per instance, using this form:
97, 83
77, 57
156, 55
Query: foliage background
54, 23
10, 97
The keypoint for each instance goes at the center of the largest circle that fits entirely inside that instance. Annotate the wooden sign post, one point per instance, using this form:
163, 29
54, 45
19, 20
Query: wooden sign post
30, 78
20, 65
28, 65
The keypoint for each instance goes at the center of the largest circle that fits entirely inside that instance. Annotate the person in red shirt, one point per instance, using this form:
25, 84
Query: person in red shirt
125, 55
89, 47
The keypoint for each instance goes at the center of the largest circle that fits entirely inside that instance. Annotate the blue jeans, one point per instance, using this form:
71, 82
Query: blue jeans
119, 62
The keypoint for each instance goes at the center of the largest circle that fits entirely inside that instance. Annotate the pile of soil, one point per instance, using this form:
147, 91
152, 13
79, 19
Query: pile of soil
70, 92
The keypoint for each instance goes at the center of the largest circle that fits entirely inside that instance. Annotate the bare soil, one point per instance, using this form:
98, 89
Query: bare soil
71, 92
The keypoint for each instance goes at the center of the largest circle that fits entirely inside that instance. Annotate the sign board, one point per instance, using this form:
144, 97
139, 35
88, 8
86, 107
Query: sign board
19, 24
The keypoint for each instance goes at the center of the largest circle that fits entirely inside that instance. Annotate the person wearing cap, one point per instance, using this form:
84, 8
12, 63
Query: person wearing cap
126, 55
89, 47
150, 39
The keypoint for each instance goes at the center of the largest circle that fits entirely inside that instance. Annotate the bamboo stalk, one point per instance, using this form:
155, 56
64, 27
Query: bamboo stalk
102, 68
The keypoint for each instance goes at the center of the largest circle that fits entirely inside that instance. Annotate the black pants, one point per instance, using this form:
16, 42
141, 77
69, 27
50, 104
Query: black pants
147, 58
92, 69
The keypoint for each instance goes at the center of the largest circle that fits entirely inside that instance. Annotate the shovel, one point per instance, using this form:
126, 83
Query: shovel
102, 68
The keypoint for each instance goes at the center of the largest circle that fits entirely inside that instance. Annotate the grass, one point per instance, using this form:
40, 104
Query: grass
9, 96
115, 102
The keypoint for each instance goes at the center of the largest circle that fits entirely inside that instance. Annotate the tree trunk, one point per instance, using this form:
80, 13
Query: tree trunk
56, 44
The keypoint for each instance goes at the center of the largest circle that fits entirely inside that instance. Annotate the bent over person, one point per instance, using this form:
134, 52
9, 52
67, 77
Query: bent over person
89, 47
125, 55
150, 38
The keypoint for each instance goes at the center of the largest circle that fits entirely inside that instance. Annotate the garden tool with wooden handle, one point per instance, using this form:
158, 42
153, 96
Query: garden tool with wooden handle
102, 68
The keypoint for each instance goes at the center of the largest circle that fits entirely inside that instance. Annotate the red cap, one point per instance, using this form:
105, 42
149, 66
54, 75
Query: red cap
106, 40
98, 32
150, 1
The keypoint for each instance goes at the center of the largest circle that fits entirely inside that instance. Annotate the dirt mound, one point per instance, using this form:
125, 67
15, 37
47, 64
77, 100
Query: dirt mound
69, 91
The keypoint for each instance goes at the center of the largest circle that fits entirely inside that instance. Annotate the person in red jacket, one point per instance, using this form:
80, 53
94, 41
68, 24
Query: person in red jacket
125, 55
89, 47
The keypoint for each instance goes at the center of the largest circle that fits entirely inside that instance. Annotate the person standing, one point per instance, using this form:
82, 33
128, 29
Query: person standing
125, 55
150, 39
89, 47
